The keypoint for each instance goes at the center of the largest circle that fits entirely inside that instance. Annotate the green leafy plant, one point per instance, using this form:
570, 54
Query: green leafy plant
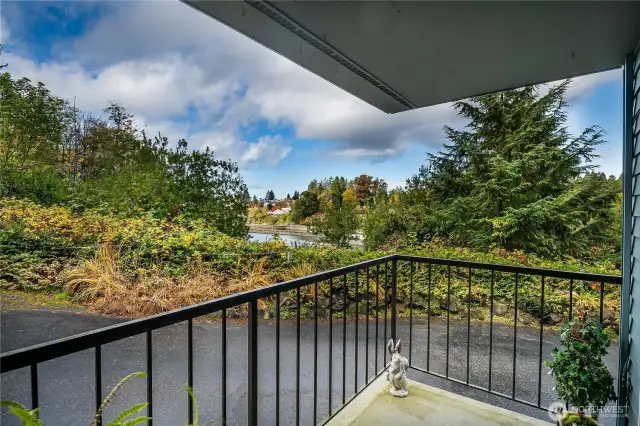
121, 419
582, 378
195, 408
28, 417
571, 418
31, 418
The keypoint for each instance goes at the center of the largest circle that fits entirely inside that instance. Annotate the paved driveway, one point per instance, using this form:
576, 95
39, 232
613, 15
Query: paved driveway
67, 384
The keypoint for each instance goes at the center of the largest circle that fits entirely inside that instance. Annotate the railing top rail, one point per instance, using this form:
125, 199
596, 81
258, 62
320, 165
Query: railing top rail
553, 273
24, 357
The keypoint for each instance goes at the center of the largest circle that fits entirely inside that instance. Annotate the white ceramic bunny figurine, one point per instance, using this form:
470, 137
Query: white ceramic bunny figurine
397, 373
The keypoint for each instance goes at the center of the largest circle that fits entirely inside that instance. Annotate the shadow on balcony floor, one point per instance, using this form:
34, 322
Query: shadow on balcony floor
425, 405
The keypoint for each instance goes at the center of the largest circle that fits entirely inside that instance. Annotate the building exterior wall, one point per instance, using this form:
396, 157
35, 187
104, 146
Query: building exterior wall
632, 237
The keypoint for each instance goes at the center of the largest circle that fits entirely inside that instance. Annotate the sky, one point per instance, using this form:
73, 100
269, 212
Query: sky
188, 76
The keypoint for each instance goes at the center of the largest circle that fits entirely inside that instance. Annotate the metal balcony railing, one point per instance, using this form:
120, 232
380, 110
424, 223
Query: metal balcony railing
439, 297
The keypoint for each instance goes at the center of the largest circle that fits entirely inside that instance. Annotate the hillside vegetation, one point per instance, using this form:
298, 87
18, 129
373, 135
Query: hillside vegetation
141, 266
93, 209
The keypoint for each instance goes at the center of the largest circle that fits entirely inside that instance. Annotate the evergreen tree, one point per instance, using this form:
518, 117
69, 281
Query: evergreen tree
306, 206
296, 195
340, 221
314, 186
338, 186
516, 178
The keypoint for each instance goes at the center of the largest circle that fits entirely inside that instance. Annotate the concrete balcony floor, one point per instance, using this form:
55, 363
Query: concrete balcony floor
425, 405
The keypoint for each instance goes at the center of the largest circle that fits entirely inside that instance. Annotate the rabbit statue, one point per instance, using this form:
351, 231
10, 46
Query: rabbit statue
397, 373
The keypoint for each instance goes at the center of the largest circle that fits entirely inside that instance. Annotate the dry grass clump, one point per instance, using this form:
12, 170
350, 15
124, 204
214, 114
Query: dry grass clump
299, 271
255, 277
104, 288
99, 278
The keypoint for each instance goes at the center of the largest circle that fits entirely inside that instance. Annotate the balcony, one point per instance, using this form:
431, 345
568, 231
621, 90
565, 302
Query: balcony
427, 405
312, 350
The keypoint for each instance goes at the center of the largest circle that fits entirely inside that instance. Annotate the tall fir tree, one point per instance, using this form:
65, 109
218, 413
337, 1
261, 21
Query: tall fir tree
516, 178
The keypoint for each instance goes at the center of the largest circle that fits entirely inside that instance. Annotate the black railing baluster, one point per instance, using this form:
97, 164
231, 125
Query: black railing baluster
98, 374
571, 299
298, 356
601, 302
150, 376
344, 338
386, 295
491, 333
515, 334
429, 317
223, 343
355, 354
366, 353
411, 308
330, 342
252, 364
394, 297
377, 312
540, 348
34, 386
190, 365
448, 318
315, 352
468, 325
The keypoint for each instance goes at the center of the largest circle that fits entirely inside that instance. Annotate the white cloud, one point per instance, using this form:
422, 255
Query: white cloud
170, 129
5, 35
160, 59
268, 149
155, 88
138, 56
584, 86
225, 145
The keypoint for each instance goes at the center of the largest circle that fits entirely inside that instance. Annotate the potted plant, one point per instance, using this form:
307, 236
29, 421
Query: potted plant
582, 379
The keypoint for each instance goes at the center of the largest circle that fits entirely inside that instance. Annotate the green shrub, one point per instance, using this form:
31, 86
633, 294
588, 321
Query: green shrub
37, 244
44, 185
582, 378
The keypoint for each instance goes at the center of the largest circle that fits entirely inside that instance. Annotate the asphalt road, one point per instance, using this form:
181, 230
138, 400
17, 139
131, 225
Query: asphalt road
66, 385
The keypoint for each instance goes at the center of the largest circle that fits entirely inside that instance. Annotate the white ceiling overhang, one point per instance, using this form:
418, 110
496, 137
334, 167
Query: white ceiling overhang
400, 55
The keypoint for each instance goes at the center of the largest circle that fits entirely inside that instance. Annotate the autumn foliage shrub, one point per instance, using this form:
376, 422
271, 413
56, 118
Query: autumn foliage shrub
141, 266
